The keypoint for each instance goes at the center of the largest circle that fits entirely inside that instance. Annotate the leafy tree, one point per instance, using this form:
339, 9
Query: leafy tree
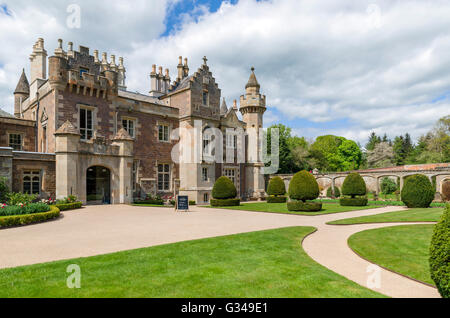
334, 153
388, 186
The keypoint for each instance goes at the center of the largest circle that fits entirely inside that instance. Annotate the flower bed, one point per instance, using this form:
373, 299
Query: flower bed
17, 220
23, 208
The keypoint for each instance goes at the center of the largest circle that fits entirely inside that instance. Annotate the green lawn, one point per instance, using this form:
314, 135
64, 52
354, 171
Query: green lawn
259, 264
410, 215
402, 249
327, 208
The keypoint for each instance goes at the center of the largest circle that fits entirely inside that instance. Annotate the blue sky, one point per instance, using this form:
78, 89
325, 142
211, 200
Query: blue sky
326, 67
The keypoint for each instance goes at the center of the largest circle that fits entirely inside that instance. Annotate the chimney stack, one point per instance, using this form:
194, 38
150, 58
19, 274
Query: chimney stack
180, 69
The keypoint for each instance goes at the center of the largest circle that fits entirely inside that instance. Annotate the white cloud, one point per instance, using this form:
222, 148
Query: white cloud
376, 64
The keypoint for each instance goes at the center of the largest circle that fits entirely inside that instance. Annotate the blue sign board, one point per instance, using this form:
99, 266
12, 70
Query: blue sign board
183, 203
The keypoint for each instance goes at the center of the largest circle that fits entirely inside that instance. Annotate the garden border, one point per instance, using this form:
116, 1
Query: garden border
27, 219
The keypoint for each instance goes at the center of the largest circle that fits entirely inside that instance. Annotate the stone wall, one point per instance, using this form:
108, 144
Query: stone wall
17, 126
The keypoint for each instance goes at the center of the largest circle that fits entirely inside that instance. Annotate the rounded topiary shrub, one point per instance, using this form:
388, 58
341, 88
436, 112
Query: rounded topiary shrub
440, 254
224, 189
417, 192
446, 191
276, 187
337, 192
354, 185
303, 186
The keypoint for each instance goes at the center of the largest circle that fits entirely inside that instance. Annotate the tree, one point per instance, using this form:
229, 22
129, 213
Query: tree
334, 153
285, 153
381, 157
399, 151
373, 141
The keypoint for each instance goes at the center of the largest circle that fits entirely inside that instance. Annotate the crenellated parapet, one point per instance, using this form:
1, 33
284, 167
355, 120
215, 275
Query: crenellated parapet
84, 73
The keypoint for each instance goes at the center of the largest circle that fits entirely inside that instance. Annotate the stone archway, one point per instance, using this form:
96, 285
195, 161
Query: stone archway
98, 185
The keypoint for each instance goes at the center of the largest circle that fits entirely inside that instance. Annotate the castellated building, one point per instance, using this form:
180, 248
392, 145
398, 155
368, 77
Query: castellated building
79, 131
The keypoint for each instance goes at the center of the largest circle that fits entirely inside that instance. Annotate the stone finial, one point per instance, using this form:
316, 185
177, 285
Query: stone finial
96, 60
180, 60
223, 108
121, 66
104, 58
67, 129
70, 46
185, 61
122, 134
205, 60
60, 43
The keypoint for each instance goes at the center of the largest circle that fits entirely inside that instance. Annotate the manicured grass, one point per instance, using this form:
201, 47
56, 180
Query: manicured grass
386, 203
327, 208
410, 215
259, 264
402, 249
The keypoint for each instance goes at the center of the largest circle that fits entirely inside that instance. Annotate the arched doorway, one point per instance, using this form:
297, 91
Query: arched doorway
98, 185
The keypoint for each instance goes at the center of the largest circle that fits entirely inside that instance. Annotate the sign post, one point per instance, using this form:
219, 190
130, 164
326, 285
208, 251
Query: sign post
182, 203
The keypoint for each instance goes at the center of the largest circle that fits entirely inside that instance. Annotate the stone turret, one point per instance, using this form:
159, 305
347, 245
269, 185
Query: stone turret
253, 107
21, 93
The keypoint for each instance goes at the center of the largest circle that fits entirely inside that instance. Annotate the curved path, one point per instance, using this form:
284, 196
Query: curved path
328, 246
100, 230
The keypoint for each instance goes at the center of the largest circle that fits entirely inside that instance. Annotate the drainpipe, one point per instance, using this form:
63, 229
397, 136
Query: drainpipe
36, 125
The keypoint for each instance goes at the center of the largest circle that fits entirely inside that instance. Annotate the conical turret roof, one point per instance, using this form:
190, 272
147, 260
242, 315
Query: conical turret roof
252, 81
23, 86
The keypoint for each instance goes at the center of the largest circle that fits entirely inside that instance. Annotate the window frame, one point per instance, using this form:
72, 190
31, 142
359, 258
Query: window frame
163, 134
21, 140
32, 174
205, 174
165, 174
128, 121
87, 130
205, 102
232, 175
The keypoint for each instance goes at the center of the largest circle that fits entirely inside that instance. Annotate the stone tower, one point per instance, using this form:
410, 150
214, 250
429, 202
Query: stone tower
21, 93
252, 108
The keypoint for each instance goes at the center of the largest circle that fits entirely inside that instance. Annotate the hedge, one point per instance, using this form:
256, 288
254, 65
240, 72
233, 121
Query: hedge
17, 220
354, 185
225, 202
274, 199
440, 254
417, 191
276, 186
304, 206
303, 186
69, 206
151, 201
359, 201
337, 192
224, 189
192, 203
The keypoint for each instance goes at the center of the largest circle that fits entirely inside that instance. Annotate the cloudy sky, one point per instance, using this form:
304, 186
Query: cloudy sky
327, 67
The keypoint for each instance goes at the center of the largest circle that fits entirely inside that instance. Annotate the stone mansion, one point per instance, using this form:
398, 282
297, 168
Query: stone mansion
79, 131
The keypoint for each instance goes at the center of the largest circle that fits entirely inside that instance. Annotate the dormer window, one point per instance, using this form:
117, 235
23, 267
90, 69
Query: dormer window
82, 71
